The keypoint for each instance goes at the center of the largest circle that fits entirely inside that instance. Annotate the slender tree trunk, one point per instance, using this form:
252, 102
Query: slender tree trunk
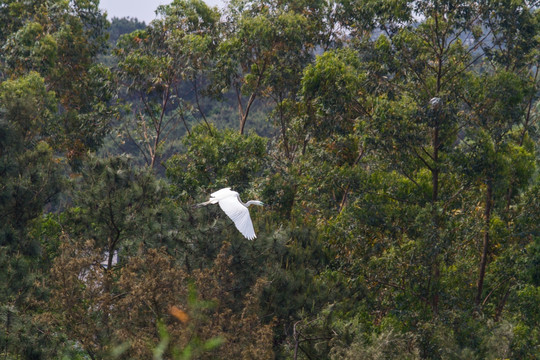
345, 196
485, 243
245, 113
435, 143
435, 275
284, 133
502, 303
435, 218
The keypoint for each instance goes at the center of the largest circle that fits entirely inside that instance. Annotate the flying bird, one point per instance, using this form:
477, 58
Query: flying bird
229, 201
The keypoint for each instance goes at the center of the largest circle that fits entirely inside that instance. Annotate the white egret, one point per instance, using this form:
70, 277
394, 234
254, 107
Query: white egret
229, 201
435, 102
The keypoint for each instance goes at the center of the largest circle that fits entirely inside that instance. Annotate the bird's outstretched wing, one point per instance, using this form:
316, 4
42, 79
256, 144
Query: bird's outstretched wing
239, 214
222, 193
216, 196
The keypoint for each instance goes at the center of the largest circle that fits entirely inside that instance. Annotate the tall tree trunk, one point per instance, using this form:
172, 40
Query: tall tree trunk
435, 218
485, 243
284, 133
502, 303
435, 143
244, 113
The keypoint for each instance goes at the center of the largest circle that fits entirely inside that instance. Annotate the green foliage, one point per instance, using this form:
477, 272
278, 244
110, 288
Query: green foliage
29, 47
266, 47
336, 83
30, 173
165, 67
30, 179
394, 143
194, 348
119, 206
214, 159
59, 41
28, 107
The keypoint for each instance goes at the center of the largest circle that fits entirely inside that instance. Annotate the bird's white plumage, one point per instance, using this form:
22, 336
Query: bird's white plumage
229, 201
221, 194
239, 214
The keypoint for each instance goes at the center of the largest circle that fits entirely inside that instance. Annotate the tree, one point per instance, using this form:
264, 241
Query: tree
165, 66
216, 159
490, 153
116, 209
121, 26
213, 159
116, 206
61, 41
149, 289
266, 46
394, 144
513, 61
395, 101
30, 179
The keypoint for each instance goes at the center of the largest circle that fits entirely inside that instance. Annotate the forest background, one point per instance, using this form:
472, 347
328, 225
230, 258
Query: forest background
394, 142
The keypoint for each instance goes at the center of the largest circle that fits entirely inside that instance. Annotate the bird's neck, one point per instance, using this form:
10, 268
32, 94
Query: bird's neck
251, 202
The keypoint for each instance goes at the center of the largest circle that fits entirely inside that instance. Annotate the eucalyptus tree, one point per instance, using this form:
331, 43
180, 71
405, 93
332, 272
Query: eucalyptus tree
436, 57
398, 100
404, 109
61, 41
502, 123
493, 160
166, 67
265, 48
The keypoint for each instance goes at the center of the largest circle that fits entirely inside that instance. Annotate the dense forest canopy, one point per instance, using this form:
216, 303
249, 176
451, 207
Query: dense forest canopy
394, 143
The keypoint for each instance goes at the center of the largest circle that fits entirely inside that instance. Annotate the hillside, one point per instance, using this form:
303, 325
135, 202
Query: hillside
395, 147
